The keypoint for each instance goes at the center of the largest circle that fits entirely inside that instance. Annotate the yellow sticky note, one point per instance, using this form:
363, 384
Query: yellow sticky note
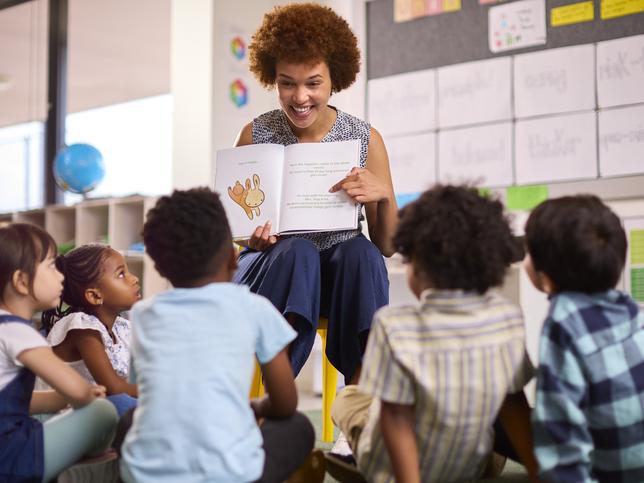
451, 5
619, 8
573, 13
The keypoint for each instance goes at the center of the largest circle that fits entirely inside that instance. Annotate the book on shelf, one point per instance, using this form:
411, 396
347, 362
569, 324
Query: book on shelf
288, 185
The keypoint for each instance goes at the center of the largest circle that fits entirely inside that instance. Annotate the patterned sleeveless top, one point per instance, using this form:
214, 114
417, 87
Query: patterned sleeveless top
273, 127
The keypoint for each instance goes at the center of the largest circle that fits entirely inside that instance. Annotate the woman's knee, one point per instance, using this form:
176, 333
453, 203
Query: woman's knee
358, 251
296, 251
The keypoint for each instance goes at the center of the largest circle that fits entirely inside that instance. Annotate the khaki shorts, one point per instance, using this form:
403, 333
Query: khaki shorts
350, 412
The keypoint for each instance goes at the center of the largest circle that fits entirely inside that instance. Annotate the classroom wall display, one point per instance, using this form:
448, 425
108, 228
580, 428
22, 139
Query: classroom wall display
566, 111
554, 81
517, 25
412, 161
633, 276
481, 154
475, 92
404, 103
620, 71
621, 141
557, 148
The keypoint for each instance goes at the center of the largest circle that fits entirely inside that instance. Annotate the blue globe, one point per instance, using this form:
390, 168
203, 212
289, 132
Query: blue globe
79, 168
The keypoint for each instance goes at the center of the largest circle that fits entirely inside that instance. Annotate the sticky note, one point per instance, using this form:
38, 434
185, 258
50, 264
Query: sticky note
451, 5
573, 13
637, 247
525, 198
619, 8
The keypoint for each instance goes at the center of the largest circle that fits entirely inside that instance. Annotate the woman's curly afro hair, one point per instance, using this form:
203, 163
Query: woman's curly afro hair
305, 33
457, 238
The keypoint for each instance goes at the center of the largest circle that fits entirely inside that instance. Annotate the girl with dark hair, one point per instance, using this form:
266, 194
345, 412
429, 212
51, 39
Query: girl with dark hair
31, 451
90, 333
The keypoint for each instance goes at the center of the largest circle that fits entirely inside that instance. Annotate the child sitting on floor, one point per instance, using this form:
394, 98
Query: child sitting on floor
193, 351
437, 374
90, 334
29, 450
589, 411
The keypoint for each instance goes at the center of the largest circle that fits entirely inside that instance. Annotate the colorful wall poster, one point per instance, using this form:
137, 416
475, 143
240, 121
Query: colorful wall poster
517, 25
405, 10
634, 268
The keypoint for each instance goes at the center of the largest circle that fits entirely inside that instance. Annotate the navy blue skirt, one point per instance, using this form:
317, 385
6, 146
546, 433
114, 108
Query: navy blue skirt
346, 284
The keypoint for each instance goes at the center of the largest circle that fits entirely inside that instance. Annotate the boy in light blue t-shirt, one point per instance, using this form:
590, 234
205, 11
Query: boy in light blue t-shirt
193, 350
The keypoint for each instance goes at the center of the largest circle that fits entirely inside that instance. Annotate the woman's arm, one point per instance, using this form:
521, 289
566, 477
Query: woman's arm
90, 346
397, 422
43, 362
281, 396
372, 186
245, 136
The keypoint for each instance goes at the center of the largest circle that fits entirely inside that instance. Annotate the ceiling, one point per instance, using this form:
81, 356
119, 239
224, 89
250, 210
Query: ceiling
118, 50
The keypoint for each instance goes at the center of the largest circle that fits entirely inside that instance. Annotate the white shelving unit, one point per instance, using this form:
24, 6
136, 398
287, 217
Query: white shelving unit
115, 221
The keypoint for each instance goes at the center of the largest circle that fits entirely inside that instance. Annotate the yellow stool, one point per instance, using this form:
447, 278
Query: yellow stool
329, 385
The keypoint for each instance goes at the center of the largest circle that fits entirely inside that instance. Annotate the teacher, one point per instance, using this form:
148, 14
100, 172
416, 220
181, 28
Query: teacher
307, 52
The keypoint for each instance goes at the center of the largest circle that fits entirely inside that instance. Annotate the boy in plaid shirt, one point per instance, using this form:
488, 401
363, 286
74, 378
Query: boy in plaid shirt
589, 413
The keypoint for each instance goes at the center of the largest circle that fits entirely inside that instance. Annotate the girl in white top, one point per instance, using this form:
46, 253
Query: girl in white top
90, 334
30, 450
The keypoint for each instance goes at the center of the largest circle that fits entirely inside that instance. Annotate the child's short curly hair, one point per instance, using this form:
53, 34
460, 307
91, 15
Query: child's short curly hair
187, 235
457, 238
305, 33
578, 242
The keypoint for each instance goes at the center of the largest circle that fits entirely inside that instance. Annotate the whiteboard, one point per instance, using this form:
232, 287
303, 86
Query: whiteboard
554, 81
621, 141
556, 148
620, 71
475, 92
482, 155
403, 103
413, 162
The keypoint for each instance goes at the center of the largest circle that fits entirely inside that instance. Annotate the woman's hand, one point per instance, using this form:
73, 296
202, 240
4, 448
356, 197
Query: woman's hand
261, 239
363, 186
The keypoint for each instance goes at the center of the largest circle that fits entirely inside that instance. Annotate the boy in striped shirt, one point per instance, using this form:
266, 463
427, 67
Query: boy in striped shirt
589, 411
436, 374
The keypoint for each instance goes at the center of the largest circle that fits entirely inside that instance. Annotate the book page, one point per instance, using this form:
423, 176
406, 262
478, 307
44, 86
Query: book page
249, 182
310, 170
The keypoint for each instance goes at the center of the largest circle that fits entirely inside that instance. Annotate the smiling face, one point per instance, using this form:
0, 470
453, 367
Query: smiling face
119, 287
304, 91
48, 284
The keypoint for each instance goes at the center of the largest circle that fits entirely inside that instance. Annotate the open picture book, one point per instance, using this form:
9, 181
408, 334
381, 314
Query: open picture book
288, 185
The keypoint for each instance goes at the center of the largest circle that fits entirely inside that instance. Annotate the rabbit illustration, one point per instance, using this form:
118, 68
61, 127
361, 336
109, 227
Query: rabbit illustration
238, 194
254, 196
